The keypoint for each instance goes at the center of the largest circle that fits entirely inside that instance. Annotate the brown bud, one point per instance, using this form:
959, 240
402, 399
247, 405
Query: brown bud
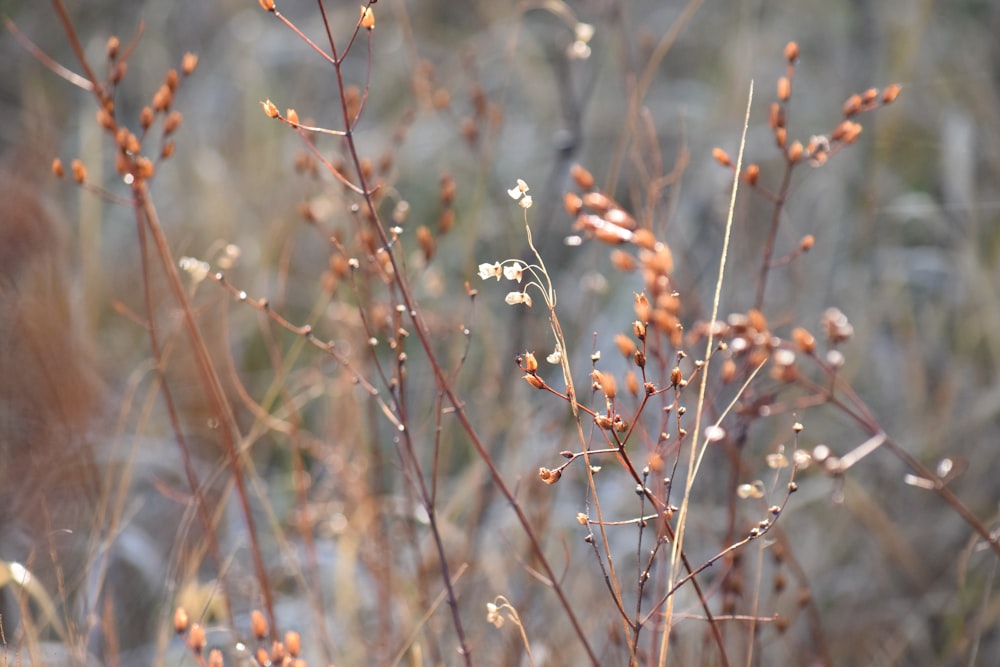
258, 624
728, 371
146, 117
757, 320
426, 241
278, 653
119, 71
261, 656
869, 96
751, 174
144, 168
639, 357
292, 116
609, 385
79, 171
776, 116
446, 221
632, 383
890, 93
163, 98
852, 106
623, 261
112, 47
196, 638
639, 329
573, 203
57, 168
549, 476
448, 189
189, 63
530, 363
791, 52
168, 150
269, 109
804, 340
105, 119
180, 620
795, 151
604, 422
784, 88
583, 178
597, 202
534, 381
293, 642
172, 79
644, 238
676, 376
780, 137
722, 157
172, 122
367, 18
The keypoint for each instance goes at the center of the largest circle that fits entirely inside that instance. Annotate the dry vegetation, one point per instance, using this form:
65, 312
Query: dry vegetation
492, 334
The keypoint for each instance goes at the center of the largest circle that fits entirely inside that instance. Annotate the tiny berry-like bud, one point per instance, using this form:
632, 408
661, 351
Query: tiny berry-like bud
168, 150
426, 241
189, 63
751, 174
269, 109
146, 117
172, 122
573, 203
258, 624
534, 381
163, 98
293, 642
79, 171
112, 47
644, 238
172, 79
267, 5
105, 119
597, 202
852, 105
530, 363
776, 116
144, 168
807, 242
890, 94
632, 382
623, 261
791, 52
722, 157
795, 151
804, 340
780, 137
784, 88
367, 18
278, 653
583, 178
180, 620
196, 638
869, 96
57, 168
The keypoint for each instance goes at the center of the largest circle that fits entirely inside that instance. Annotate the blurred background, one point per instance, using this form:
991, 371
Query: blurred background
483, 93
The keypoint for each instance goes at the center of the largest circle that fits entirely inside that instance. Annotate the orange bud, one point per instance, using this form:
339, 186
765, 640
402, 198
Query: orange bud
180, 620
112, 47
426, 241
622, 261
784, 88
791, 52
172, 79
189, 63
292, 116
869, 96
583, 178
852, 106
549, 476
196, 638
722, 157
105, 119
144, 168
597, 202
807, 242
57, 168
172, 122
795, 151
644, 239
258, 624
530, 362
367, 18
751, 174
573, 203
146, 117
79, 171
804, 340
267, 5
780, 136
625, 345
534, 381
890, 93
293, 642
269, 109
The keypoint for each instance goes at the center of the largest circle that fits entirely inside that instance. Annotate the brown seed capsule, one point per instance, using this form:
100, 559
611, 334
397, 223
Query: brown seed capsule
604, 422
172, 79
258, 624
119, 71
448, 189
189, 63
79, 171
776, 116
890, 94
632, 383
163, 98
105, 119
639, 329
146, 117
549, 476
534, 381
676, 376
168, 150
644, 238
583, 178
852, 106
426, 241
530, 362
446, 221
609, 385
269, 109
728, 371
784, 88
639, 357
278, 653
196, 638
180, 620
144, 168
791, 52
367, 18
722, 157
57, 168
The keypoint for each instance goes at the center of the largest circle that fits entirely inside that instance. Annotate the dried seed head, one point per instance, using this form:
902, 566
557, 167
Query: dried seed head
367, 18
270, 110
791, 52
852, 106
293, 642
573, 203
583, 178
534, 381
549, 476
258, 624
196, 638
57, 168
180, 620
890, 93
189, 63
172, 122
604, 422
530, 363
79, 171
639, 357
795, 151
426, 241
784, 88
722, 157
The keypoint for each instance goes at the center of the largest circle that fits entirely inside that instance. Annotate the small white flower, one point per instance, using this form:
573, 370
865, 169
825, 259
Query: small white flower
513, 271
525, 201
514, 298
556, 355
487, 270
583, 32
197, 269
518, 190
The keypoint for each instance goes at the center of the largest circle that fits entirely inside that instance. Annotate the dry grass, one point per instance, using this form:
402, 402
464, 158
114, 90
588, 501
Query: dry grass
268, 406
